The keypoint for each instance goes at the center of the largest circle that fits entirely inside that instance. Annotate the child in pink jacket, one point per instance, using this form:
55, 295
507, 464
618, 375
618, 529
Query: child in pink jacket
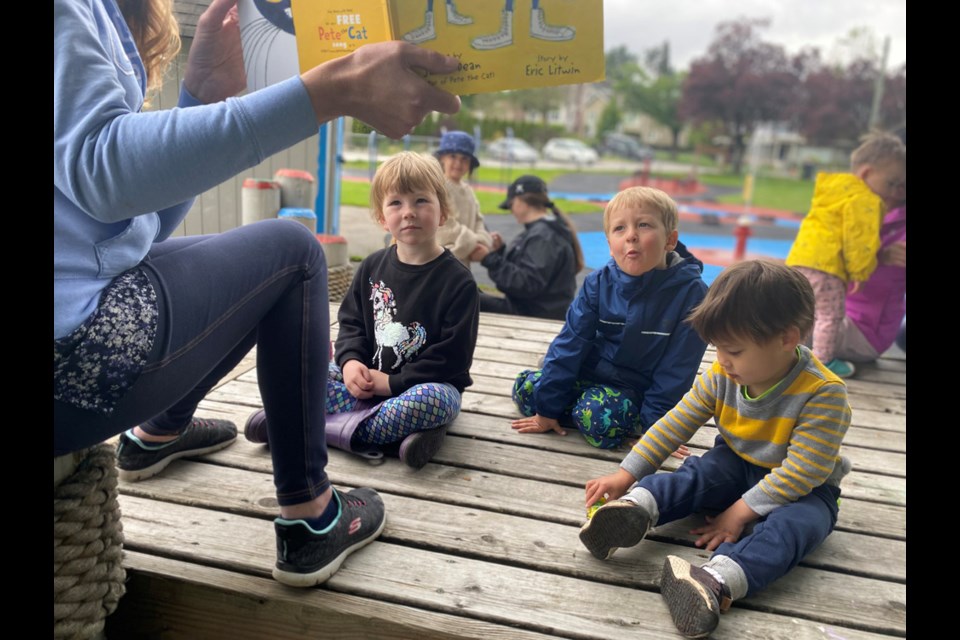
874, 313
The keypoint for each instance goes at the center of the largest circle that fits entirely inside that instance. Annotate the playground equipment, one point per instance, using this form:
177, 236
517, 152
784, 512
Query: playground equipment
741, 232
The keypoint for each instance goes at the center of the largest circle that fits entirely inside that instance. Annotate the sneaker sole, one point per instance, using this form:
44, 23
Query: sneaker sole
148, 472
325, 572
694, 610
612, 527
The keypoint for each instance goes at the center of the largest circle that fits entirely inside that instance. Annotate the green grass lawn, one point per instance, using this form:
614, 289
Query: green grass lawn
776, 193
357, 194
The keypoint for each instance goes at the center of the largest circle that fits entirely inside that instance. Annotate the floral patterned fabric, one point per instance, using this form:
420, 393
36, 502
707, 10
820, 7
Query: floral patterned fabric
95, 365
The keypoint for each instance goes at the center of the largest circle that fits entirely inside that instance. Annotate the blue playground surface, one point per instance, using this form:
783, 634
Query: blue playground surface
596, 252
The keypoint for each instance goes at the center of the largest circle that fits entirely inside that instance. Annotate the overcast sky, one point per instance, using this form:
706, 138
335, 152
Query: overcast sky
689, 24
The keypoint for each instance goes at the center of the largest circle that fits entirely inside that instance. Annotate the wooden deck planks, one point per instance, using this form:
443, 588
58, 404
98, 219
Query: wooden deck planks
482, 542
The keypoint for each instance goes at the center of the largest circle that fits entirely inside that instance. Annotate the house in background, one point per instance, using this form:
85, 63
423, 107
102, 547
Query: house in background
584, 107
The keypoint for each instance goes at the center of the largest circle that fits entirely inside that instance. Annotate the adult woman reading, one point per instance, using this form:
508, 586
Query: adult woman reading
144, 325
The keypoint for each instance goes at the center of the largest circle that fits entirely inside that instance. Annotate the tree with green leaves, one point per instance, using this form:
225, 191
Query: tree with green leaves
619, 63
653, 88
610, 119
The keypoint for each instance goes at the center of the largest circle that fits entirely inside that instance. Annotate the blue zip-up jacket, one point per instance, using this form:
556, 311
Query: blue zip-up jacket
628, 332
123, 180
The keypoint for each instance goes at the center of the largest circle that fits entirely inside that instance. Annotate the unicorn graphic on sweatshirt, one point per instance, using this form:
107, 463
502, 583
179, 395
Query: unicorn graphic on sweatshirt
405, 341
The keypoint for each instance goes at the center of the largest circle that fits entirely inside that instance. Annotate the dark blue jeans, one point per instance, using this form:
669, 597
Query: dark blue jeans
263, 284
778, 541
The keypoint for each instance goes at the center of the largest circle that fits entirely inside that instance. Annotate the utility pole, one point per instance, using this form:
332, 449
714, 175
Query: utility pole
878, 84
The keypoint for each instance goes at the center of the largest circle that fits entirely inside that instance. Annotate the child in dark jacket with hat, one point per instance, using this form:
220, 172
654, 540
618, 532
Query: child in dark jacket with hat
537, 271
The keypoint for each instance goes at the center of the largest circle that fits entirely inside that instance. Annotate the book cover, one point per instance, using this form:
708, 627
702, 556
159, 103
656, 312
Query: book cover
329, 29
501, 44
507, 44
268, 41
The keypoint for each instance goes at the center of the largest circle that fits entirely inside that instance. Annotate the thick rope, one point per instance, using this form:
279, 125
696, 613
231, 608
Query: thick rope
88, 577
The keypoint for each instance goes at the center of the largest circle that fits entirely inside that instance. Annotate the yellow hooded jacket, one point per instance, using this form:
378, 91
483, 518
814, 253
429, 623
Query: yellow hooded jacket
841, 233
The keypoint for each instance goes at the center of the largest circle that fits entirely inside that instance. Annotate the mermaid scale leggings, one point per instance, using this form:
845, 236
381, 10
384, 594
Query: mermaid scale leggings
604, 415
421, 407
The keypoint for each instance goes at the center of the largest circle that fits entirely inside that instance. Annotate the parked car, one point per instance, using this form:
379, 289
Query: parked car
569, 150
620, 144
512, 150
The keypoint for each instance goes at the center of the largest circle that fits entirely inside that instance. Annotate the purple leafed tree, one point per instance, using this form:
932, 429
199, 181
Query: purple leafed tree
739, 82
836, 101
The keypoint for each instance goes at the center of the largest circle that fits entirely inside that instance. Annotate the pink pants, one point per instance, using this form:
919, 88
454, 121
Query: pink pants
830, 293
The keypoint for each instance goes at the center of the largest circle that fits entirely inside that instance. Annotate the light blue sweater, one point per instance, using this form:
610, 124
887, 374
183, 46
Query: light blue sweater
122, 179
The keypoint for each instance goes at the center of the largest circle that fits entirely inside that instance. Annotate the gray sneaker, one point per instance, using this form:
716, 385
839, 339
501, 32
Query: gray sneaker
306, 557
695, 598
418, 448
139, 461
620, 523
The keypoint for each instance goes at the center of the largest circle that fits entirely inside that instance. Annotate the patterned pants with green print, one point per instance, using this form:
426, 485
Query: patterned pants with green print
604, 415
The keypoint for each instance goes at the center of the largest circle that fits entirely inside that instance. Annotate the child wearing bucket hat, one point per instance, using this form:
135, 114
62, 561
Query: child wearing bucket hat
464, 228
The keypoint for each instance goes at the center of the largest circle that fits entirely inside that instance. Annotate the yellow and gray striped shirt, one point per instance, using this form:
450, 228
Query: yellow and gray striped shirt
795, 431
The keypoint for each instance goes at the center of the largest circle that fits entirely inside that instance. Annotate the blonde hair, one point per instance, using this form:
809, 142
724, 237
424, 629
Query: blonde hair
639, 197
408, 172
878, 148
155, 32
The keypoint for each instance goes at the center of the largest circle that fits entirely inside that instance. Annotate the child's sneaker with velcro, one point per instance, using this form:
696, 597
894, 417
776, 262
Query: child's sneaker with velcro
694, 596
620, 523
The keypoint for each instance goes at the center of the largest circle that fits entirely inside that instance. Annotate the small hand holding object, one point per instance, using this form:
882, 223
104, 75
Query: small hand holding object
610, 487
725, 527
537, 424
357, 378
497, 241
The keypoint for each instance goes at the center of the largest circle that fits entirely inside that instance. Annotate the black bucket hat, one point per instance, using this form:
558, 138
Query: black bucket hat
524, 184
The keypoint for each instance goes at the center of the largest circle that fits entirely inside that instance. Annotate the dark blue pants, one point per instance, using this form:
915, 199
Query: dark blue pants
718, 479
218, 296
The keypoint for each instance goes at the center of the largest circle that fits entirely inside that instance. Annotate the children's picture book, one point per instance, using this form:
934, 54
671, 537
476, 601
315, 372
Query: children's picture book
268, 40
508, 44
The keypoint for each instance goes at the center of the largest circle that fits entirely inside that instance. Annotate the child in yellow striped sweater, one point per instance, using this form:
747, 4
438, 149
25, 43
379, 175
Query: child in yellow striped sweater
782, 416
